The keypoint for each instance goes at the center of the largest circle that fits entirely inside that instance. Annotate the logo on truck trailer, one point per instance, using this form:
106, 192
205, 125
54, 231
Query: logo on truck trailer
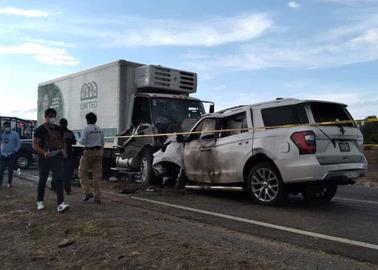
89, 91
88, 96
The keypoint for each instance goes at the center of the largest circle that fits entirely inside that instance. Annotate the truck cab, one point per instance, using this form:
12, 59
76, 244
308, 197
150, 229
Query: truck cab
157, 115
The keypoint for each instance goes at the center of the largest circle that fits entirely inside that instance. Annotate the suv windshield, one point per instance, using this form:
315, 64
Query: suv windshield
284, 115
330, 112
175, 115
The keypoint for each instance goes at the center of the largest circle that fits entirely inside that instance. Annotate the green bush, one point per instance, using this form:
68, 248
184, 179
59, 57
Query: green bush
370, 131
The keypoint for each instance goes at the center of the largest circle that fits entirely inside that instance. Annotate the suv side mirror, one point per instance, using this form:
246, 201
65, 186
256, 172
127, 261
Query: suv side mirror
211, 108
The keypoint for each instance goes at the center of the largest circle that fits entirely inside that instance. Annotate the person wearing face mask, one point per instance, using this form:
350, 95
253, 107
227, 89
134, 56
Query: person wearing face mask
50, 146
9, 146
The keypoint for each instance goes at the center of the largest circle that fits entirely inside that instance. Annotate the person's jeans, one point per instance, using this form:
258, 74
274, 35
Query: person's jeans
68, 165
7, 162
54, 164
68, 170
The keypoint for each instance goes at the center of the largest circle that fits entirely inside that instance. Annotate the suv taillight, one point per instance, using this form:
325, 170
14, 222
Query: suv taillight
305, 141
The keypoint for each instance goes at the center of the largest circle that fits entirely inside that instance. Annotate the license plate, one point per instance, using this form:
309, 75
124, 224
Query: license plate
344, 147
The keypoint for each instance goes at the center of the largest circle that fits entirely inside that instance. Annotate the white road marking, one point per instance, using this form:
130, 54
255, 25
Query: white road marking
356, 200
336, 198
31, 176
263, 224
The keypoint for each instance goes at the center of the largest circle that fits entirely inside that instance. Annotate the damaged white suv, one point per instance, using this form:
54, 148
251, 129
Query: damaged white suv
268, 149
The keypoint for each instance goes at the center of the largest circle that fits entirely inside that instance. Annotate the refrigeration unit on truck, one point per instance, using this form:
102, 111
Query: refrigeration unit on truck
129, 99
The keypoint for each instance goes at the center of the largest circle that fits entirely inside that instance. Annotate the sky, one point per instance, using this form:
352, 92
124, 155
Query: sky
244, 51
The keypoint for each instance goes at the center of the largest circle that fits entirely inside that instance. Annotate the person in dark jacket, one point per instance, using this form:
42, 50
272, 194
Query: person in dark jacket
68, 163
49, 143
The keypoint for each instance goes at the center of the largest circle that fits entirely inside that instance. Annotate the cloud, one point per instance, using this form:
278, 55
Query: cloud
23, 12
359, 105
11, 102
293, 4
134, 31
351, 2
370, 36
41, 53
338, 47
354, 40
25, 112
205, 34
55, 43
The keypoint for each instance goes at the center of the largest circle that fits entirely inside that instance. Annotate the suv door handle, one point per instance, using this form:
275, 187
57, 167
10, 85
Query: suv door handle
205, 149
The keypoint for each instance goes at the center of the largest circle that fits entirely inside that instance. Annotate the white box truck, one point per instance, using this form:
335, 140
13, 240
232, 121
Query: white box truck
128, 98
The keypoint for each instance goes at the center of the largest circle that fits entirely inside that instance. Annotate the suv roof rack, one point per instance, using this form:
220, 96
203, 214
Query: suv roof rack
232, 108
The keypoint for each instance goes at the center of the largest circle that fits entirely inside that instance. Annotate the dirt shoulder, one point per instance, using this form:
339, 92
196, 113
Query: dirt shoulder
119, 235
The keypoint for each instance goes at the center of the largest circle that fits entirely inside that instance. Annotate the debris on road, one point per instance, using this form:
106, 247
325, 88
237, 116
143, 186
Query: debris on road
66, 243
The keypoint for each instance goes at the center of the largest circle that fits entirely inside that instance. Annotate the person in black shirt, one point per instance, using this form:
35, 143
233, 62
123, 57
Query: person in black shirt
68, 163
50, 146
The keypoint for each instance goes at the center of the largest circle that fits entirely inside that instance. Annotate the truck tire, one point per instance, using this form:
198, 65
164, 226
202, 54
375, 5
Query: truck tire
265, 184
319, 192
147, 175
23, 161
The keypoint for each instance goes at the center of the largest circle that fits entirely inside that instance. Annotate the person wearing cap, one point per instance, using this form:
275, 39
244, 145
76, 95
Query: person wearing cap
50, 146
9, 146
92, 138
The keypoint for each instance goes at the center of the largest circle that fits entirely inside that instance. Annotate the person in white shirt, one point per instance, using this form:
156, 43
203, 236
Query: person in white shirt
92, 138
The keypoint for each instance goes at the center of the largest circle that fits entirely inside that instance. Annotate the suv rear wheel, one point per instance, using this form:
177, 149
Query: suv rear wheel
265, 184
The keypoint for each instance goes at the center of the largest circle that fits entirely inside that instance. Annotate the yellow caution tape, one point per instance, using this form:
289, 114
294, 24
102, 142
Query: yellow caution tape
329, 123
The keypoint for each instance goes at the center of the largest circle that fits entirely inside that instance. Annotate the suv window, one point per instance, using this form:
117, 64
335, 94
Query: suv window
237, 121
284, 115
328, 112
204, 127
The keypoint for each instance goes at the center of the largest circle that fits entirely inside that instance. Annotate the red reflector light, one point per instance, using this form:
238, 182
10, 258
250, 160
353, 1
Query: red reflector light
305, 141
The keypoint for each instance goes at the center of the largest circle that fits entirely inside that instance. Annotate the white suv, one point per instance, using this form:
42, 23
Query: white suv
268, 149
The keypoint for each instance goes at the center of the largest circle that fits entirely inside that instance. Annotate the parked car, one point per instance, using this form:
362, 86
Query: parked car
25, 129
269, 149
25, 156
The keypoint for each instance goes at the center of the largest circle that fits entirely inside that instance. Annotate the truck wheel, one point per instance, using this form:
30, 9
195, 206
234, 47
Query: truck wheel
265, 184
22, 161
147, 175
319, 193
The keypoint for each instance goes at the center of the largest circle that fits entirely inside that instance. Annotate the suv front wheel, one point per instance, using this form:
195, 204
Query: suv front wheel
265, 184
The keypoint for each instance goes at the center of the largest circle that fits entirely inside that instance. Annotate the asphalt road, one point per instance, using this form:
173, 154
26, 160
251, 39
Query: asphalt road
346, 227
